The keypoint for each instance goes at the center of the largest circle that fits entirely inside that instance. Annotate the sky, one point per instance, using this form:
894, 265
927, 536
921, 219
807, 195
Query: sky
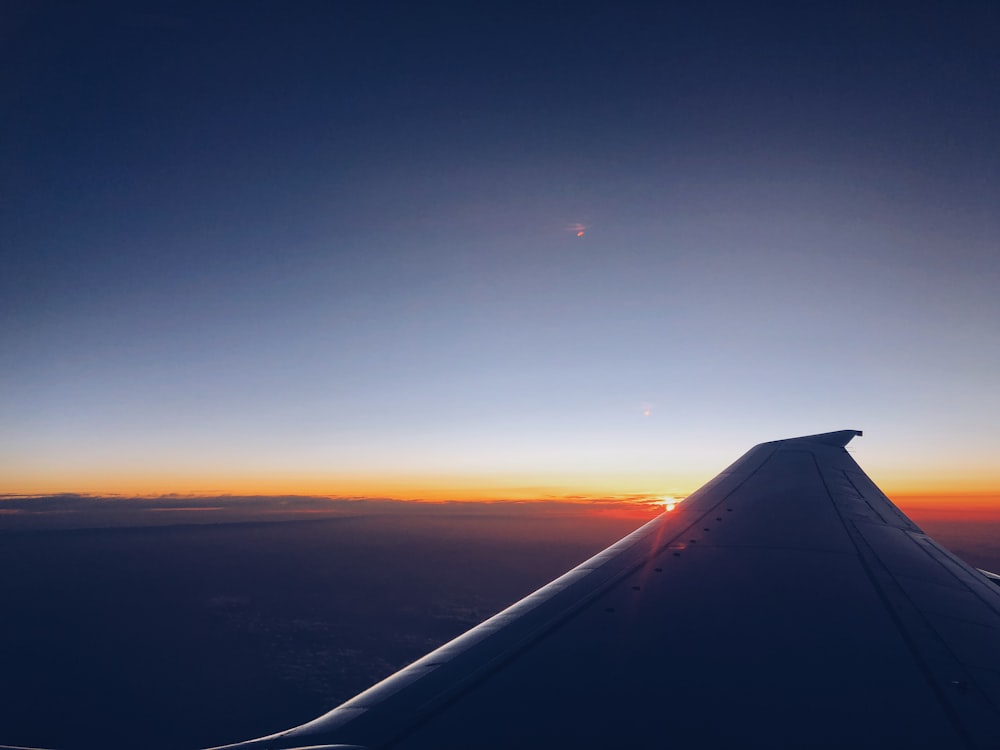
334, 248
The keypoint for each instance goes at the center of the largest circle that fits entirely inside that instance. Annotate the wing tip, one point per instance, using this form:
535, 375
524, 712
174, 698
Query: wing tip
838, 438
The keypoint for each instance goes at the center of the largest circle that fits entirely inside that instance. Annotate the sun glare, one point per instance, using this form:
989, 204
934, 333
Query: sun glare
668, 502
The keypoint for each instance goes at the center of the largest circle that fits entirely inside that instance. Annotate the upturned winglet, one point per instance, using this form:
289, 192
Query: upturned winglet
840, 438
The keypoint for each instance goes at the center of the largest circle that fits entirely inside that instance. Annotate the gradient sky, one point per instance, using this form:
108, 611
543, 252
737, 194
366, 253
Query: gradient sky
331, 247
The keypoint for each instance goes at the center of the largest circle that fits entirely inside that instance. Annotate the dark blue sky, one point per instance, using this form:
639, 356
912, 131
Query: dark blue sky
323, 247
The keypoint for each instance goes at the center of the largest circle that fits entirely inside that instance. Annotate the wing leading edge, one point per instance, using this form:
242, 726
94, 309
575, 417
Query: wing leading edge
787, 602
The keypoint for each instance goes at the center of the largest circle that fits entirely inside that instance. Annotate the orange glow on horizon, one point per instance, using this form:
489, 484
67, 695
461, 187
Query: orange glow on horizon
431, 488
953, 504
403, 485
640, 493
904, 476
648, 488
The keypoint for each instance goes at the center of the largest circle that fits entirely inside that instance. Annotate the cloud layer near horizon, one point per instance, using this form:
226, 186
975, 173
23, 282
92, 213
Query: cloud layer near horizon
78, 510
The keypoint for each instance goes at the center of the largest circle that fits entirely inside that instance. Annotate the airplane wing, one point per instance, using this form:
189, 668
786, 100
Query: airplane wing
787, 603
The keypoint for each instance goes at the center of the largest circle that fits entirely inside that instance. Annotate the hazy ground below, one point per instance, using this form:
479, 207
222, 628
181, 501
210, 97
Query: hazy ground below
182, 636
191, 635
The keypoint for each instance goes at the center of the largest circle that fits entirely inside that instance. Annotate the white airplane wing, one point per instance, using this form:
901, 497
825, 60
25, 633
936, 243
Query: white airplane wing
787, 603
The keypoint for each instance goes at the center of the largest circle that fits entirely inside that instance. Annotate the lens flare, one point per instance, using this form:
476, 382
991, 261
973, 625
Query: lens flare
668, 502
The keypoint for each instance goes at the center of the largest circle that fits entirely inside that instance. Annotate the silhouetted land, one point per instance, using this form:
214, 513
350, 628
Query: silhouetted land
186, 636
190, 635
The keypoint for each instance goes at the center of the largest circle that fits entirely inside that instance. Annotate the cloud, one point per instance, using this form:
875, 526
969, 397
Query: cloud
73, 510
70, 510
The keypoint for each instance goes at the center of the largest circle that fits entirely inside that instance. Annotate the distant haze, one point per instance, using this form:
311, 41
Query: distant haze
198, 633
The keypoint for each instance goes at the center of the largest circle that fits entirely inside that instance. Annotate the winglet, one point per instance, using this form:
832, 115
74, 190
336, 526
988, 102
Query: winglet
840, 438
